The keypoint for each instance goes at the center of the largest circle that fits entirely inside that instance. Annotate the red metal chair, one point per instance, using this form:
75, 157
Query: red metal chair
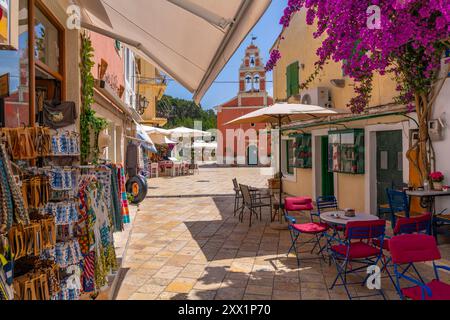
411, 248
358, 248
296, 229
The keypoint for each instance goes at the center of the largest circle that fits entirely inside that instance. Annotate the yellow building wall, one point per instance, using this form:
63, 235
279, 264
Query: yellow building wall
303, 184
351, 191
152, 92
300, 45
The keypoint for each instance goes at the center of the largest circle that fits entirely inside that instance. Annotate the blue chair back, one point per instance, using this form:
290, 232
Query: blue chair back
365, 230
398, 202
419, 224
325, 203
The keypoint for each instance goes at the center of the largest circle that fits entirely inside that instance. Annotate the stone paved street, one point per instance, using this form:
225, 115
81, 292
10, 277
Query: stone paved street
185, 243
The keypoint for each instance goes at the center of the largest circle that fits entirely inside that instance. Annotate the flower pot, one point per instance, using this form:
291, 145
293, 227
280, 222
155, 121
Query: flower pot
274, 183
437, 186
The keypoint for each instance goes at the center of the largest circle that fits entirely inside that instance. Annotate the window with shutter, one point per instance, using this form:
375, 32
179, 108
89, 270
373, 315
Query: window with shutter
292, 78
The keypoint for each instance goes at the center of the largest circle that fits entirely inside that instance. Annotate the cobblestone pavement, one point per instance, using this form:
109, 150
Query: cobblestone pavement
185, 243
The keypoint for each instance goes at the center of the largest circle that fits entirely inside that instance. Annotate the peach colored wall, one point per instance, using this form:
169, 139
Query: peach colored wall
105, 49
302, 186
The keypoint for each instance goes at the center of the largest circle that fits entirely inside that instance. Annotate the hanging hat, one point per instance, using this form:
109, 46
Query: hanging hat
103, 140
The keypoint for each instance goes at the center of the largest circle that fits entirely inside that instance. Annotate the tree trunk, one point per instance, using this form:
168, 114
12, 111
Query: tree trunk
418, 154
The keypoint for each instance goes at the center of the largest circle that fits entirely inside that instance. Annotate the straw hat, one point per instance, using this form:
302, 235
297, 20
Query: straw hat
103, 140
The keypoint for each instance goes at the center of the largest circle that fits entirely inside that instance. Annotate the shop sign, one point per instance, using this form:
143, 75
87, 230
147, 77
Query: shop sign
4, 85
9, 24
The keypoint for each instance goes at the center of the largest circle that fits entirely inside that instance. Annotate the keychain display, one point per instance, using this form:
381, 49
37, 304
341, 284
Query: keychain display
40, 283
35, 191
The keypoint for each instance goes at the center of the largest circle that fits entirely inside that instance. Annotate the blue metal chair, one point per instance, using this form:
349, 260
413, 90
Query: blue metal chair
411, 248
358, 248
315, 229
328, 203
419, 225
398, 204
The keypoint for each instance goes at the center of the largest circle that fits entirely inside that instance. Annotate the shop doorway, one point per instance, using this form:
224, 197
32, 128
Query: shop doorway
327, 177
252, 155
389, 163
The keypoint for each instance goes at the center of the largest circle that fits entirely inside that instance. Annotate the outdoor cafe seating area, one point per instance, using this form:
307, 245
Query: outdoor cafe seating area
171, 168
361, 246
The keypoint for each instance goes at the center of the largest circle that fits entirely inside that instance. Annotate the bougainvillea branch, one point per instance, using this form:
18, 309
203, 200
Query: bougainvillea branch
407, 41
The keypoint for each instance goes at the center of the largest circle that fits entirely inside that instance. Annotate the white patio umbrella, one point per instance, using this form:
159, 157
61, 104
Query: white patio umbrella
159, 135
161, 131
282, 113
159, 139
190, 40
188, 132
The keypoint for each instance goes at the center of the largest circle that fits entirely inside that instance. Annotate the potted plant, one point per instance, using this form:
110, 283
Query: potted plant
274, 183
437, 178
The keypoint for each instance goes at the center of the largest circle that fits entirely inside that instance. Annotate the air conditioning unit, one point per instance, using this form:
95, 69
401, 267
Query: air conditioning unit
319, 96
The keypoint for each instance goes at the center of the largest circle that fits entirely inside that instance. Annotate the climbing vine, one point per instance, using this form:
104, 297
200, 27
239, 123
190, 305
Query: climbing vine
89, 123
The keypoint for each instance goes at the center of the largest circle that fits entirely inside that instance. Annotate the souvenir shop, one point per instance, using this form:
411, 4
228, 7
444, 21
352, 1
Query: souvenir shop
57, 216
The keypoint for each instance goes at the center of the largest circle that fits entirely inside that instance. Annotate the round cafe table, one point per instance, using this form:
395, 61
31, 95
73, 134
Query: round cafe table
339, 218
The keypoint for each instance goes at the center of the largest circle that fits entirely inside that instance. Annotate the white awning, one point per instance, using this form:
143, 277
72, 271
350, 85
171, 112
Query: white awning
190, 40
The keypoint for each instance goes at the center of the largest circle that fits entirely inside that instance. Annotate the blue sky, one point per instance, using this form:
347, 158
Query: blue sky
267, 30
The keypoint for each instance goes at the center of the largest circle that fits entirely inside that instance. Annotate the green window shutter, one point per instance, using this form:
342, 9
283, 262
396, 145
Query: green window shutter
292, 77
288, 81
295, 78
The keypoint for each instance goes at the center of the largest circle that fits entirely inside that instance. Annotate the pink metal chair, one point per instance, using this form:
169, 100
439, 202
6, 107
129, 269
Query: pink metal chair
316, 229
408, 249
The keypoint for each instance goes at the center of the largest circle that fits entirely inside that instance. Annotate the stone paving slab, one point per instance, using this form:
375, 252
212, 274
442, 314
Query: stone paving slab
185, 243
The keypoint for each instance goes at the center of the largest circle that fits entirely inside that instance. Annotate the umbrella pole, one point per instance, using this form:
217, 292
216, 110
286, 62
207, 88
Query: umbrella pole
280, 173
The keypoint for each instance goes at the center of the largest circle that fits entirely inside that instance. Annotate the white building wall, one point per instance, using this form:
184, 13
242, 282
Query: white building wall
442, 148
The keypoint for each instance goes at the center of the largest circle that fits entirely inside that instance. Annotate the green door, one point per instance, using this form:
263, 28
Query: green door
327, 177
389, 163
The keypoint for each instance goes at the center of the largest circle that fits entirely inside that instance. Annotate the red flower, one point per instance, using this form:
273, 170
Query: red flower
437, 176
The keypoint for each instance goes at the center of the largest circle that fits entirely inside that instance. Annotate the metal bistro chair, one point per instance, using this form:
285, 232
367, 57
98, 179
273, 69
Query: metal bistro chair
315, 229
237, 196
358, 248
329, 203
418, 225
154, 170
409, 249
399, 205
185, 168
252, 202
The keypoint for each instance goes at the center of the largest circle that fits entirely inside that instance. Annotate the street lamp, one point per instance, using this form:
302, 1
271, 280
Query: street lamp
142, 103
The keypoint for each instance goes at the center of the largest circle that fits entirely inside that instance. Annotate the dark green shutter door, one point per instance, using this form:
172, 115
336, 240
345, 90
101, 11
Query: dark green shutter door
288, 81
292, 79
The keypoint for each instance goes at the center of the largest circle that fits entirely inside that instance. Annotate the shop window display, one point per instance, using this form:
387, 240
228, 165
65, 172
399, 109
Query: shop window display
16, 64
346, 151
